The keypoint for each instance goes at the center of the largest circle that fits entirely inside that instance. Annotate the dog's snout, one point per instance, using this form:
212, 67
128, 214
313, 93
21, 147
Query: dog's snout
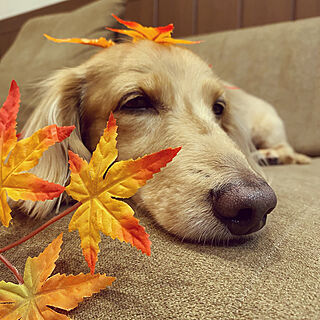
243, 207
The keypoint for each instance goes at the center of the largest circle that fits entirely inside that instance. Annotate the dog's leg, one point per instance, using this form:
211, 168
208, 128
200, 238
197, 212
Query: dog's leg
282, 154
269, 137
265, 127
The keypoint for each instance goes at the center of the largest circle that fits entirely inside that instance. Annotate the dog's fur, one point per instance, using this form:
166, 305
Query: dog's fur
265, 128
182, 89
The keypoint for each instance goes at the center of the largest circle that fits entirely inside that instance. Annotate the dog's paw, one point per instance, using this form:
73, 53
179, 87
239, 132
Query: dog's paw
281, 156
301, 158
267, 157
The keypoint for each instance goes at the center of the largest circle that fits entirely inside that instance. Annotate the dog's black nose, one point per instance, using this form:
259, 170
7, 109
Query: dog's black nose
243, 206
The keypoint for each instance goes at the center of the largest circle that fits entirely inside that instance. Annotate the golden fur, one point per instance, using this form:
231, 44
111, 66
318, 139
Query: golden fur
265, 128
215, 150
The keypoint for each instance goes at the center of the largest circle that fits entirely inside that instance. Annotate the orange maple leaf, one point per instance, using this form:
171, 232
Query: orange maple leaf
16, 157
100, 209
158, 34
33, 299
101, 42
137, 32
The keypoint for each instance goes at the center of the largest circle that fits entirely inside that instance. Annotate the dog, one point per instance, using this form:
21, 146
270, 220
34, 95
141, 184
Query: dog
166, 96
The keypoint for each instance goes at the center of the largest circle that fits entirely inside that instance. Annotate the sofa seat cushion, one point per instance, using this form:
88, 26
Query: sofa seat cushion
272, 276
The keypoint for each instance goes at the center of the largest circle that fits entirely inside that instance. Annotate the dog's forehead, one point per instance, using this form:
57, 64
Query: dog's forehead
168, 73
169, 64
172, 59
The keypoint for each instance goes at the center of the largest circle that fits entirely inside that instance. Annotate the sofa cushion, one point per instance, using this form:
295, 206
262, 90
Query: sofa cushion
272, 276
33, 58
279, 63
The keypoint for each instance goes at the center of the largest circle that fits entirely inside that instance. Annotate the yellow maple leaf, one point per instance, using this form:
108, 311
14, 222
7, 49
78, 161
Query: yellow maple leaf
16, 157
33, 299
157, 34
100, 209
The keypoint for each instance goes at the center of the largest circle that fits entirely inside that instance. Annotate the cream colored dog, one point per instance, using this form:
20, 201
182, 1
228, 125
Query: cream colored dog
165, 96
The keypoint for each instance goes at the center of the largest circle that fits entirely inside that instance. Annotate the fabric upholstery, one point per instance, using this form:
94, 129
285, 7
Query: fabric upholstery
279, 63
273, 276
32, 58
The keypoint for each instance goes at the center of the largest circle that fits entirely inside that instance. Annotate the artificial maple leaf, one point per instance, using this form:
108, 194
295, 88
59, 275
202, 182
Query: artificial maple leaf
158, 34
101, 42
23, 155
100, 210
33, 298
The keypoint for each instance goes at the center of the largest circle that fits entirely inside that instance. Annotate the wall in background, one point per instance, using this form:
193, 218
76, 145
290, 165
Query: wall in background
203, 16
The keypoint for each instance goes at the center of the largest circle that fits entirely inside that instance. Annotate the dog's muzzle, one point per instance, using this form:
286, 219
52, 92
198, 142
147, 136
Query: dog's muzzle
243, 206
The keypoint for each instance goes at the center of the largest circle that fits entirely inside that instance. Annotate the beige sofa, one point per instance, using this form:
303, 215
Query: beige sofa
273, 276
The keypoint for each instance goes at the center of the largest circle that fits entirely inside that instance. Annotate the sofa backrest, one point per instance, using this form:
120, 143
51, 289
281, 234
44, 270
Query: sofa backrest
32, 58
279, 63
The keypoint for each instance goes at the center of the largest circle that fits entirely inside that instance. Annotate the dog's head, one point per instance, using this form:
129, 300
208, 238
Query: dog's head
162, 96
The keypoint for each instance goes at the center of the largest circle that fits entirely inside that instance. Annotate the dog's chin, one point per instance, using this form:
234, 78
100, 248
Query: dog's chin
194, 222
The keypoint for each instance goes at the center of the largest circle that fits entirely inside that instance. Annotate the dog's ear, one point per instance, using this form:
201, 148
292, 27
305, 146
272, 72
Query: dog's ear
61, 104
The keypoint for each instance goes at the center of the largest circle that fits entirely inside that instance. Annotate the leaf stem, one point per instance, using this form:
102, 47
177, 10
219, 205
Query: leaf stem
12, 268
45, 225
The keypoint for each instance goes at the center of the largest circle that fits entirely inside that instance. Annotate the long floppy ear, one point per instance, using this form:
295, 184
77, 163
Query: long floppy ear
61, 104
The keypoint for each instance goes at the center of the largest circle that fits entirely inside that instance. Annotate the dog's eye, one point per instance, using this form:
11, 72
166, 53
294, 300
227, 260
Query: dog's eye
218, 108
140, 103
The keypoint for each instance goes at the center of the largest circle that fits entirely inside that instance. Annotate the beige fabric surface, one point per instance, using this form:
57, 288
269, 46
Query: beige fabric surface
32, 58
273, 276
279, 63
